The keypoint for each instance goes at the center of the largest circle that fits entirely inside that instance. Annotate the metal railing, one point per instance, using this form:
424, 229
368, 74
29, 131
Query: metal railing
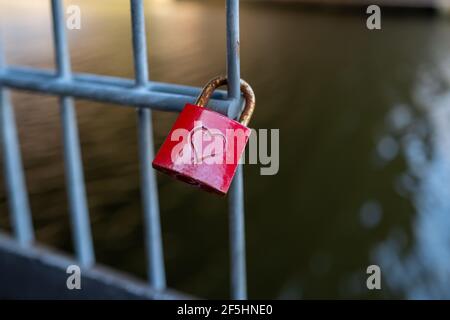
141, 93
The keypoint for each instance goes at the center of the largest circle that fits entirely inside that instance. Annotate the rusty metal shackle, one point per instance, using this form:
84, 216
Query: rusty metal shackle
246, 90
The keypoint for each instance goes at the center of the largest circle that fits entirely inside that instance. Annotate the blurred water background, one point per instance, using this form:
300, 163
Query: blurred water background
364, 119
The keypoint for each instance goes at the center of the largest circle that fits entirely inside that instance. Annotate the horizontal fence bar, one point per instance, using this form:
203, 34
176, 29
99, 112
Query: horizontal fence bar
156, 95
39, 272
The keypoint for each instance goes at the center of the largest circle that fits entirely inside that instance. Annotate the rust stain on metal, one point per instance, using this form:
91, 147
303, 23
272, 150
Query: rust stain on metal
247, 91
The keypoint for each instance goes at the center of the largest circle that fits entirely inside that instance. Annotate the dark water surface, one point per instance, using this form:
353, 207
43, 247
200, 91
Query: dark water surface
364, 121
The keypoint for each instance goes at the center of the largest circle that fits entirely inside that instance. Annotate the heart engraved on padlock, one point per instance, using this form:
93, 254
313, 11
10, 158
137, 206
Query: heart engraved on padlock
206, 171
197, 152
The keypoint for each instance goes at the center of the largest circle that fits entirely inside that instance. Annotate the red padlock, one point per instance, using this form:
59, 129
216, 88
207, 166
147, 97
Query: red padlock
204, 147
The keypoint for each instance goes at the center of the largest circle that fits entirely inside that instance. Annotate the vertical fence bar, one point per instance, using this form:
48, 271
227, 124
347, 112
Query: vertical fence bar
73, 165
236, 195
156, 272
237, 237
233, 62
14, 176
